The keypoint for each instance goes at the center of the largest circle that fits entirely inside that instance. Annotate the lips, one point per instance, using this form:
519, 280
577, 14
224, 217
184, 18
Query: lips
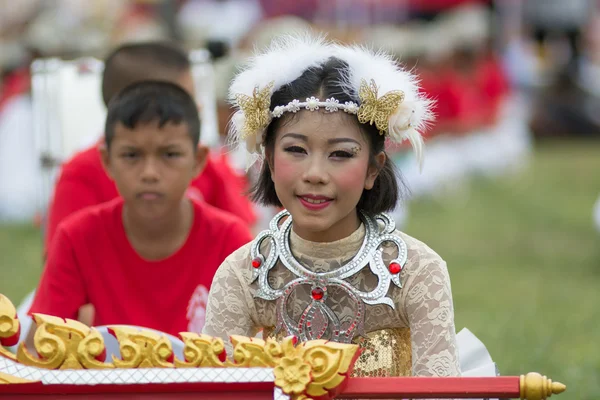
314, 202
149, 196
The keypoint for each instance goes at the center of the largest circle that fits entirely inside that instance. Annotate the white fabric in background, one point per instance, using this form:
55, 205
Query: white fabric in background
19, 165
474, 358
597, 214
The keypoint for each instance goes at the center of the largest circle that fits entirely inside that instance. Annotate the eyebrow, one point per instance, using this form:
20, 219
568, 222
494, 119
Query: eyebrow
304, 138
126, 147
166, 147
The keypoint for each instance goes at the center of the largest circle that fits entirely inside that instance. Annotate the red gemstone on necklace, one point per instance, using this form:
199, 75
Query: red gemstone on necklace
317, 293
256, 263
395, 268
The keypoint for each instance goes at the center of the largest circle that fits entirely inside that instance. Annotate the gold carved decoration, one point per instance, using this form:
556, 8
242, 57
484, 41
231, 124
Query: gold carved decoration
64, 344
5, 378
9, 326
310, 370
201, 351
534, 386
142, 349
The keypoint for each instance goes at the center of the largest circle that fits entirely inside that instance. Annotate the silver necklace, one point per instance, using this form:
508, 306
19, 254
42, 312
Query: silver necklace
319, 321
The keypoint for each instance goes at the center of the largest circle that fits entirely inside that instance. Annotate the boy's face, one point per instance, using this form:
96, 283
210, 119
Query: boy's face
153, 167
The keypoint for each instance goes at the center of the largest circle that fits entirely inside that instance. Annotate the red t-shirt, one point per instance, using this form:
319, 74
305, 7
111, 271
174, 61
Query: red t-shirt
458, 102
92, 261
83, 182
493, 86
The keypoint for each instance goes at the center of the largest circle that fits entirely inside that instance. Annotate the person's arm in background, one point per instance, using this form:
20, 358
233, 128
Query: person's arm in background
72, 193
61, 291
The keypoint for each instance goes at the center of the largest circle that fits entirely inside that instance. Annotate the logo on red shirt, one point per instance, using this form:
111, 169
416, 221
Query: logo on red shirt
196, 310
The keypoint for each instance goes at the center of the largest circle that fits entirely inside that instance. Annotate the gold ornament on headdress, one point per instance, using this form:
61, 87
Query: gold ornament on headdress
378, 110
256, 109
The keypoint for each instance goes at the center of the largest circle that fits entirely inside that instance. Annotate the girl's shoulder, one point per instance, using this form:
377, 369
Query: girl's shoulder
419, 253
240, 255
241, 259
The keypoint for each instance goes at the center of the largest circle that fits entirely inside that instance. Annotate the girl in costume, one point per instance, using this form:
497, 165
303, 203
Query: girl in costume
332, 265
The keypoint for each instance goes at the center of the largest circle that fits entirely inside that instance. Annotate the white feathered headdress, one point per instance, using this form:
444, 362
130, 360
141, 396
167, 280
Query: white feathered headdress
384, 94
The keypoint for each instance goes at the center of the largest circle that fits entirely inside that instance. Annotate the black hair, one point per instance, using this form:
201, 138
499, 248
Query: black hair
148, 101
136, 62
324, 82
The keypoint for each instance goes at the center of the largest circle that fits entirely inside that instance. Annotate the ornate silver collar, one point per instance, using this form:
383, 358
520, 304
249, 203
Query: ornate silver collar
318, 321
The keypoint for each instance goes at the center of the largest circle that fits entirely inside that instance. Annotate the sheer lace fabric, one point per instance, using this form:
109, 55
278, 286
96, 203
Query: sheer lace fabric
423, 305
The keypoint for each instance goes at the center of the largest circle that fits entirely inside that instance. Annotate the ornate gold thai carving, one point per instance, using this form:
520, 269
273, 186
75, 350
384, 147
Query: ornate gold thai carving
64, 344
201, 351
9, 326
254, 352
5, 378
534, 386
142, 349
384, 353
309, 370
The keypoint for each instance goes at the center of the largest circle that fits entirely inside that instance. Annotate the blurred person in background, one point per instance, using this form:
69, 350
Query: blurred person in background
83, 181
17, 190
565, 32
152, 234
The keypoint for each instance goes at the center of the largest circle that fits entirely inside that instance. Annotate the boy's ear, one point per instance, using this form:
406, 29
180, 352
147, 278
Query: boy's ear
201, 156
373, 171
105, 157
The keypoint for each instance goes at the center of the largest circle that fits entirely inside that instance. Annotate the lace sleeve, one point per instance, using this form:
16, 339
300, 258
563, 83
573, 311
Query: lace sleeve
430, 314
230, 309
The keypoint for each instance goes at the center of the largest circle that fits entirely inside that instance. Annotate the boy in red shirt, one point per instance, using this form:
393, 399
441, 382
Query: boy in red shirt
145, 258
83, 181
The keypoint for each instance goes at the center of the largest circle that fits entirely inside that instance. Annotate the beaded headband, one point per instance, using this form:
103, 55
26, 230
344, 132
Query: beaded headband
400, 113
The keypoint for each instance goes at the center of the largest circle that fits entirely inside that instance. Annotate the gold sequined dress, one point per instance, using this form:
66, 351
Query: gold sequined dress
416, 337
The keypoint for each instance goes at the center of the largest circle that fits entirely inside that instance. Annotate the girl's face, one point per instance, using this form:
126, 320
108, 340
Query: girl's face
320, 167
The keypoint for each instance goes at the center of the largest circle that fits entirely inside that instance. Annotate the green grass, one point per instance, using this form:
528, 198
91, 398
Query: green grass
20, 260
524, 260
523, 257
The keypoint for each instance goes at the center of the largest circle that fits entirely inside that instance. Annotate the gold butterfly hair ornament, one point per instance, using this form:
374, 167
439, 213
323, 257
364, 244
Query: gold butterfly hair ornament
256, 110
377, 110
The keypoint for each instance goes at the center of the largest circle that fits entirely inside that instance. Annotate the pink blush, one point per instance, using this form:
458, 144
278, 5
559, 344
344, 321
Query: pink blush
350, 178
284, 170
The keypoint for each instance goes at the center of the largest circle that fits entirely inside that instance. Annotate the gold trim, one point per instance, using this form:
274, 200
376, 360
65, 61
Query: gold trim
9, 379
384, 352
534, 386
63, 344
201, 351
310, 370
314, 369
142, 349
9, 324
7, 354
